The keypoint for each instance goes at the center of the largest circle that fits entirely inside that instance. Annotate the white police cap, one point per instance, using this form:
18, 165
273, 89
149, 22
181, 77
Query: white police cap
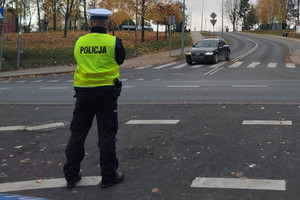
99, 14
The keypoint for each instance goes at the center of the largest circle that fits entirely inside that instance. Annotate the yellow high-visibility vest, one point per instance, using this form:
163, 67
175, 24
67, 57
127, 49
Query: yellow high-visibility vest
95, 57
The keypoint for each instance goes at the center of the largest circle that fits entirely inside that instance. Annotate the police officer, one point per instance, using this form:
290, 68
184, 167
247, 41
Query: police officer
96, 83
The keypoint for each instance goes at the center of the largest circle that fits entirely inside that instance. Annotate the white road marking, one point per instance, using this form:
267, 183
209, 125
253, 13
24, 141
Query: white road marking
37, 81
196, 66
69, 81
267, 122
272, 65
249, 86
216, 71
151, 122
248, 52
183, 86
5, 88
144, 67
165, 65
33, 127
47, 183
12, 128
124, 79
235, 65
127, 86
20, 81
5, 81
236, 183
290, 65
253, 65
180, 66
54, 88
53, 81
139, 79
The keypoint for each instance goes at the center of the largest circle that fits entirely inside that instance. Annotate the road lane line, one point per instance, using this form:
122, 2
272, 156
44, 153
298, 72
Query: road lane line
183, 86
54, 88
12, 128
249, 86
153, 122
47, 183
248, 52
267, 122
237, 183
5, 88
216, 71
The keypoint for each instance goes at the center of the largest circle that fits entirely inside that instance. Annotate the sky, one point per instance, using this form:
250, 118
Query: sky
194, 9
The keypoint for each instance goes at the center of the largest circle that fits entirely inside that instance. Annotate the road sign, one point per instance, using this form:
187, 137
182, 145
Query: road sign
1, 14
213, 15
213, 21
171, 19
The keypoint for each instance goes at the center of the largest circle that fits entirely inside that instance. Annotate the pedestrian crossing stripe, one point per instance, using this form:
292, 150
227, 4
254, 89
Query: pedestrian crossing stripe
235, 65
272, 65
253, 65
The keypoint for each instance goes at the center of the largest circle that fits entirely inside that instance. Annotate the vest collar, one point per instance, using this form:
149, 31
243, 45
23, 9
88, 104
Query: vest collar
98, 29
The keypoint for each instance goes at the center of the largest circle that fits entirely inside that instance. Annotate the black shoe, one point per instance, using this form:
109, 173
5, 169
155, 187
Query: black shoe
72, 184
118, 179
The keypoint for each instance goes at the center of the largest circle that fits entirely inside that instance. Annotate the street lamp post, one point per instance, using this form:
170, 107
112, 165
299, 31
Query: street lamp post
182, 28
19, 37
202, 16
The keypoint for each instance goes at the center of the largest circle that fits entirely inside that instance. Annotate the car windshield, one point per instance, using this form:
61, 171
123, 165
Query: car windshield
207, 43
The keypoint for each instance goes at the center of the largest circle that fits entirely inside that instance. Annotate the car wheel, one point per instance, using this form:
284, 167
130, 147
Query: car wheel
228, 56
216, 58
189, 61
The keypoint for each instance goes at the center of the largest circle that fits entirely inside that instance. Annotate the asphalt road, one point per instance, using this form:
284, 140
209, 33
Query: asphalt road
234, 121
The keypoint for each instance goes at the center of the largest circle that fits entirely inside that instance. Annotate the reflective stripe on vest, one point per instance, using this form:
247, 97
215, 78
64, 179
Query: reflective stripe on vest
95, 57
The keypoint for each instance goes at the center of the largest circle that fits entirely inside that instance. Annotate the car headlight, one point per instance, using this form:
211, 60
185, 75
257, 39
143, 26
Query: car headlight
188, 53
209, 53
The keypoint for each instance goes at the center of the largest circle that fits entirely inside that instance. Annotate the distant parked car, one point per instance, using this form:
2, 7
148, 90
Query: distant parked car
208, 50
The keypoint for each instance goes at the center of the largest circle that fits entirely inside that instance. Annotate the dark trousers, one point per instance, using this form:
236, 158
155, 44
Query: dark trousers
103, 104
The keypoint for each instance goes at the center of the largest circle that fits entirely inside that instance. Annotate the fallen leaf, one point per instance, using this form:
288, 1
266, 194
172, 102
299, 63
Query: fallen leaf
239, 174
262, 108
18, 147
43, 149
155, 190
39, 181
25, 160
3, 175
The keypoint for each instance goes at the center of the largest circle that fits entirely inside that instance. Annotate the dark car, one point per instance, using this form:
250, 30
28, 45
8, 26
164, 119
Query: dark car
208, 50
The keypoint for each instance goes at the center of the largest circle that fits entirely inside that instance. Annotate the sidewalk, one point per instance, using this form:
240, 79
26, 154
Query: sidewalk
144, 60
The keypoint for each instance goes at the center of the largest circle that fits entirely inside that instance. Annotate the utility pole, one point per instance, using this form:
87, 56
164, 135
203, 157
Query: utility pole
182, 30
19, 37
202, 16
135, 32
222, 18
2, 35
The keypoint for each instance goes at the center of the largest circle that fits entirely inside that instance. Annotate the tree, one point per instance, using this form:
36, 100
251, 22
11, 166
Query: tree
269, 12
232, 11
118, 12
69, 8
244, 8
250, 19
